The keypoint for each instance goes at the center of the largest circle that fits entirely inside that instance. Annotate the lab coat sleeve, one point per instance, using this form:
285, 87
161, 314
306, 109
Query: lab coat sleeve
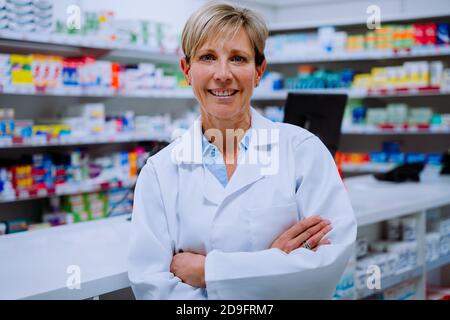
301, 274
150, 247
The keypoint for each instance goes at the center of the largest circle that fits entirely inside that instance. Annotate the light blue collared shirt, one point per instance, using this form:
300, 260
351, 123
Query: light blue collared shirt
213, 158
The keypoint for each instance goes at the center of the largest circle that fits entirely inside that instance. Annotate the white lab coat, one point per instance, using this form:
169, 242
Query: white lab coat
180, 205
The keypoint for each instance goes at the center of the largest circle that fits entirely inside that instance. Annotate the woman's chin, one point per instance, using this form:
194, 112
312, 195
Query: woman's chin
224, 111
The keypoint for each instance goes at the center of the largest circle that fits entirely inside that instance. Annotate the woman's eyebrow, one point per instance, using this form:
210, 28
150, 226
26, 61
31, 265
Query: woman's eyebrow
241, 52
232, 52
207, 50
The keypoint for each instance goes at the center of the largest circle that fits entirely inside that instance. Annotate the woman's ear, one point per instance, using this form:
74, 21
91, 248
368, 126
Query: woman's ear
185, 68
260, 71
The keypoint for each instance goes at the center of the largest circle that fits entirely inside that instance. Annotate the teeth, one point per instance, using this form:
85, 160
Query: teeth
222, 93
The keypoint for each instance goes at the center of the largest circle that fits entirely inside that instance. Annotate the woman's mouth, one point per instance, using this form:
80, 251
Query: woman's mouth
223, 92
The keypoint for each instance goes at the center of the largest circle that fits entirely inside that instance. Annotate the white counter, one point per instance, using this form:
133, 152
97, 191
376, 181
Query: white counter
375, 201
33, 265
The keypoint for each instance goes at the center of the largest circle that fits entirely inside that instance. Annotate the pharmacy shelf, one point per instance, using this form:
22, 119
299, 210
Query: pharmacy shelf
391, 281
68, 189
298, 24
367, 167
392, 93
425, 52
259, 95
394, 280
440, 262
352, 93
396, 131
374, 201
347, 296
99, 248
75, 45
39, 142
99, 93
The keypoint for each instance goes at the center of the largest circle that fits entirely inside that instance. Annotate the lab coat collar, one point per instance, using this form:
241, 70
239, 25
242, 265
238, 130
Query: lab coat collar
189, 147
189, 151
263, 146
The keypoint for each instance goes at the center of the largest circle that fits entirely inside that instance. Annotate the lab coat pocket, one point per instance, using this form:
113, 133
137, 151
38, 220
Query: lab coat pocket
267, 224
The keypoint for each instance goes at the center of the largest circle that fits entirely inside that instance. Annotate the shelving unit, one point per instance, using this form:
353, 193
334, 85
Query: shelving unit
378, 131
69, 92
39, 143
148, 102
355, 21
352, 93
365, 56
69, 190
370, 167
391, 281
259, 95
77, 45
442, 261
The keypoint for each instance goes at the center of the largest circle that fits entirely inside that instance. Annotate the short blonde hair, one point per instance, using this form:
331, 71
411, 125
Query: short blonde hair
213, 19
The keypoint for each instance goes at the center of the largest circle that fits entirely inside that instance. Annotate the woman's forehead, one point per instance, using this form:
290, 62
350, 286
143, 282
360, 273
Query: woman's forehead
229, 40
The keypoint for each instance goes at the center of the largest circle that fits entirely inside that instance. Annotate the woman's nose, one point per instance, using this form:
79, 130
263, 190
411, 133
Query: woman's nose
222, 72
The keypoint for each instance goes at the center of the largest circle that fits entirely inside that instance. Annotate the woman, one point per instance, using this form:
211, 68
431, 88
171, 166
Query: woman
227, 211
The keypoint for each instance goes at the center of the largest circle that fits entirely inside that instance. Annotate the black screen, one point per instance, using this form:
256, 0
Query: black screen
320, 114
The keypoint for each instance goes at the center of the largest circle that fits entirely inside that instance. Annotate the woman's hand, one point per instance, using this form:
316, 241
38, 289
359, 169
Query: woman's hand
190, 268
312, 229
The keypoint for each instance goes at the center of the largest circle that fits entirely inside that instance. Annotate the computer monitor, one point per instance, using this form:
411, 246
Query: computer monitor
318, 113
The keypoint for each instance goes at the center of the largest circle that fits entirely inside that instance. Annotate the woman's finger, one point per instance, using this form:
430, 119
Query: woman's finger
315, 239
322, 243
307, 234
301, 226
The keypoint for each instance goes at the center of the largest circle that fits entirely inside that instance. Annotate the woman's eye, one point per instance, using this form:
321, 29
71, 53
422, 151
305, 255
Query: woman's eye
238, 59
207, 57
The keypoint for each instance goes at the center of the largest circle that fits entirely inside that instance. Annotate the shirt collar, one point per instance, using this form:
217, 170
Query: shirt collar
243, 144
188, 147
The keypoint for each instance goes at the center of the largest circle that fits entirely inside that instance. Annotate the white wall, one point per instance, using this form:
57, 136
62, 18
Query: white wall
265, 10
354, 11
173, 12
277, 13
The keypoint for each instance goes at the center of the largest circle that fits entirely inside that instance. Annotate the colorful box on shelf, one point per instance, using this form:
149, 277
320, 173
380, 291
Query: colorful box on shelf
75, 208
411, 77
70, 173
394, 118
382, 161
13, 226
41, 74
87, 123
388, 41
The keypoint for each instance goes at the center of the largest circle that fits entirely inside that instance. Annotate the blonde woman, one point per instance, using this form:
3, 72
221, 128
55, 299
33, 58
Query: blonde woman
230, 209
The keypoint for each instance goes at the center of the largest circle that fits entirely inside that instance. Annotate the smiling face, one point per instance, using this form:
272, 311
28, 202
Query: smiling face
223, 74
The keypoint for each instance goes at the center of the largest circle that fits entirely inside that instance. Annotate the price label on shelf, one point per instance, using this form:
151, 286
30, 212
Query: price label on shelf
42, 193
104, 186
23, 194
73, 40
39, 140
86, 188
5, 141
90, 41
59, 189
70, 188
51, 191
